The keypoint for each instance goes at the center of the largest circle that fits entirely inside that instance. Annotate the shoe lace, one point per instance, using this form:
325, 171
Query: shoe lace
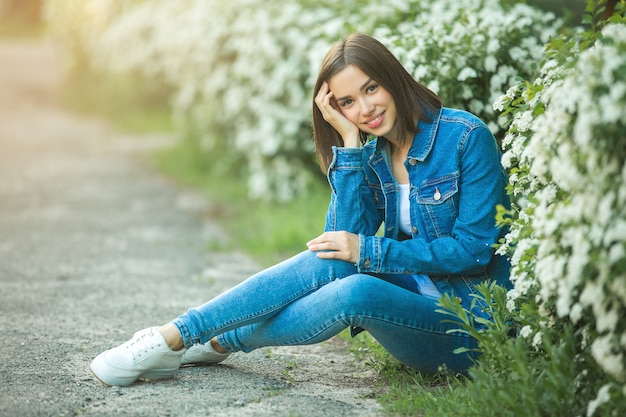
142, 345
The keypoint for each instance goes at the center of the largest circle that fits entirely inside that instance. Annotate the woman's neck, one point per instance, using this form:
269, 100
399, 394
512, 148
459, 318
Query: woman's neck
398, 157
399, 151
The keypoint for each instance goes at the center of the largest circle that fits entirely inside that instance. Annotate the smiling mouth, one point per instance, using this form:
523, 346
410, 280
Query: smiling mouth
376, 121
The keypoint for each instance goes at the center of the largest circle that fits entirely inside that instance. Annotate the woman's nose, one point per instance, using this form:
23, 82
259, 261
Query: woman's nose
367, 107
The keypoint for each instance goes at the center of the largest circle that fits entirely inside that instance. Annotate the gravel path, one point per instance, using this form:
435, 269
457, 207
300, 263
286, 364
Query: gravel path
95, 245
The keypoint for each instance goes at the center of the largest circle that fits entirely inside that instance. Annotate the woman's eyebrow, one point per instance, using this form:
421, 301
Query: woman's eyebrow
365, 84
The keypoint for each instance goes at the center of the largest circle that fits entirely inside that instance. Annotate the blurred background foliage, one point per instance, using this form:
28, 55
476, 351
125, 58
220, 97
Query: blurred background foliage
237, 76
19, 18
233, 79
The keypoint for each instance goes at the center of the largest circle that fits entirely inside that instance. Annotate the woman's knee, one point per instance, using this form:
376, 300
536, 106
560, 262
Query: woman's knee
307, 263
356, 290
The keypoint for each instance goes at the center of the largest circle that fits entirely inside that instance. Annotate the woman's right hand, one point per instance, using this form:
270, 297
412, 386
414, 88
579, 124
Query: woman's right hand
348, 131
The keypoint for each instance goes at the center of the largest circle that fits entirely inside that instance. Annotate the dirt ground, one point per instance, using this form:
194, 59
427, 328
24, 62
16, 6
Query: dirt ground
95, 245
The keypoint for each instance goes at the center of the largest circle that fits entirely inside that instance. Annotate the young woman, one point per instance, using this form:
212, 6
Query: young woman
430, 175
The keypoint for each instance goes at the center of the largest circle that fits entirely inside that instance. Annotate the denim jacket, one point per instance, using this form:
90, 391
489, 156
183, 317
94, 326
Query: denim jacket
456, 181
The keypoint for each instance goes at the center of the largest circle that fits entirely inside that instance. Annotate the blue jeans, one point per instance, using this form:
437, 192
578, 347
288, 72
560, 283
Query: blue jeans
306, 300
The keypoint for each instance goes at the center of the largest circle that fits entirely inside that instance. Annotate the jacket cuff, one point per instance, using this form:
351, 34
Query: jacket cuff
365, 262
346, 157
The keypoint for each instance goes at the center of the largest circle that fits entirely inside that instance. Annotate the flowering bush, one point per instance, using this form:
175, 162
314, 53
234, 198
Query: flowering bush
470, 52
243, 81
565, 151
243, 70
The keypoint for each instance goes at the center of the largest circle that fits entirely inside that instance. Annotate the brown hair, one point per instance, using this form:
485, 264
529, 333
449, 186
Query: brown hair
375, 60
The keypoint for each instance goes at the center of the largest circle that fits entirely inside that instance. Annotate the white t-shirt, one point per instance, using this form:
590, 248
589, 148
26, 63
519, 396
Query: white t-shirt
405, 213
424, 284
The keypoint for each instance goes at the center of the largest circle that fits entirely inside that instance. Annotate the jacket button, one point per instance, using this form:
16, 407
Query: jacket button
459, 299
367, 264
412, 161
414, 230
437, 195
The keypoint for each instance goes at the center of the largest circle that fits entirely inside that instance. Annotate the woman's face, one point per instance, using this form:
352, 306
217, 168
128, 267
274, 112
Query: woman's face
364, 102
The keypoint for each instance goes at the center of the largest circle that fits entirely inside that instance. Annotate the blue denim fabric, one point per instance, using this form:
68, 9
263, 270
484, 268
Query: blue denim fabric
306, 300
456, 182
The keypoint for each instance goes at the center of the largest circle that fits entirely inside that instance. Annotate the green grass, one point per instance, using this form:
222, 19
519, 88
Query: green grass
269, 231
412, 394
117, 99
403, 391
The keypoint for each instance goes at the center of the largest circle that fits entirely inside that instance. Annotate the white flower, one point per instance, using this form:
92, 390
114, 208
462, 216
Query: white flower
537, 340
434, 86
603, 397
517, 53
493, 46
491, 63
498, 104
602, 352
607, 320
466, 73
523, 121
525, 332
575, 313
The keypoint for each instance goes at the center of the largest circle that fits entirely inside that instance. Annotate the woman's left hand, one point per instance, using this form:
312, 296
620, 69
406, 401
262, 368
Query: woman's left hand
336, 245
331, 112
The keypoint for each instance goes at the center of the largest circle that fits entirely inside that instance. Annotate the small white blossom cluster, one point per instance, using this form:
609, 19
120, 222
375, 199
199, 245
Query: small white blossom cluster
604, 396
469, 52
568, 144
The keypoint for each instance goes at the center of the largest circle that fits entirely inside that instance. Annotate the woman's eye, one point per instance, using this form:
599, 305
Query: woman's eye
345, 103
372, 88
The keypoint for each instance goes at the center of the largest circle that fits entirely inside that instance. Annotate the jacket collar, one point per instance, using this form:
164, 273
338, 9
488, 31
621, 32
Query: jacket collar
424, 140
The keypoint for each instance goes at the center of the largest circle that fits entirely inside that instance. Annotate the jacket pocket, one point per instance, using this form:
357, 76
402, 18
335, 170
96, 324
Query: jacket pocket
437, 200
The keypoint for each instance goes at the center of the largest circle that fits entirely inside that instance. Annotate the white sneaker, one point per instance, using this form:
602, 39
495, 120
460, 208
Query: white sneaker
146, 355
203, 354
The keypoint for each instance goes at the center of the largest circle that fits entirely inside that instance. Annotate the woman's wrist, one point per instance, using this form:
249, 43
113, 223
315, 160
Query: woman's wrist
352, 141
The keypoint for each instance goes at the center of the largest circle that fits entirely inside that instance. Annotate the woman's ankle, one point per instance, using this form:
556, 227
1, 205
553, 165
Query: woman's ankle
172, 336
217, 347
